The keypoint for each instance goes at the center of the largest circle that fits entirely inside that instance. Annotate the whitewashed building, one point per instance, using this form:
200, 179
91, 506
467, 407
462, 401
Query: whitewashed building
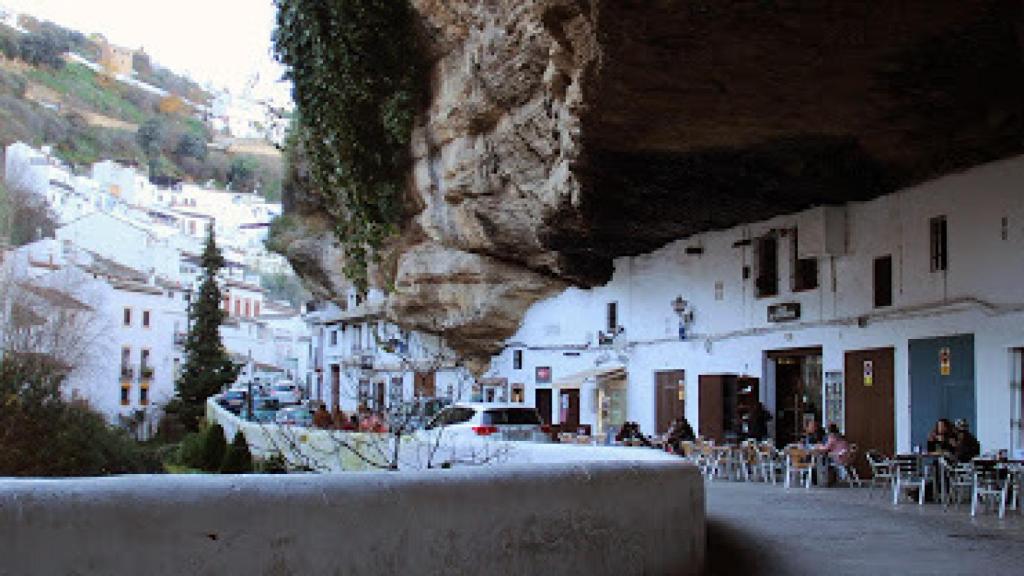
359, 361
880, 316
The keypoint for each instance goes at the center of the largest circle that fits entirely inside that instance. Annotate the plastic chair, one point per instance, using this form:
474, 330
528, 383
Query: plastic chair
957, 479
989, 482
768, 463
847, 472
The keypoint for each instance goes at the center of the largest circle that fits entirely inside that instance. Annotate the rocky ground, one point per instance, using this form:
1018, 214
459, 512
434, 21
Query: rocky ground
755, 528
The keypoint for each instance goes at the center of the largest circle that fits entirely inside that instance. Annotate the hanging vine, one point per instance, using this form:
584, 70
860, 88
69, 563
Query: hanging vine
358, 81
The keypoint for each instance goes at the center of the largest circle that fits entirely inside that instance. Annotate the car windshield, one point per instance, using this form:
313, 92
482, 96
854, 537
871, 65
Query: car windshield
235, 394
513, 416
451, 415
283, 387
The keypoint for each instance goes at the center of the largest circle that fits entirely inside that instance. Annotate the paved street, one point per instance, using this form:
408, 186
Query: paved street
761, 529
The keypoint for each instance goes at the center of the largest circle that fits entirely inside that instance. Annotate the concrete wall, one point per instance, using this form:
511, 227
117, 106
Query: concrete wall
598, 518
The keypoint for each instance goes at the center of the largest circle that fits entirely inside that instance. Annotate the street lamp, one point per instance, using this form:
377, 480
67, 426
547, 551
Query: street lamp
682, 309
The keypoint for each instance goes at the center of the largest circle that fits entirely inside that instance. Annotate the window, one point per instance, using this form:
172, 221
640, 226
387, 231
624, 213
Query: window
145, 318
227, 303
145, 370
126, 363
613, 317
247, 309
125, 394
542, 375
127, 316
144, 395
883, 281
238, 307
334, 337
255, 308
805, 270
766, 254
517, 359
939, 254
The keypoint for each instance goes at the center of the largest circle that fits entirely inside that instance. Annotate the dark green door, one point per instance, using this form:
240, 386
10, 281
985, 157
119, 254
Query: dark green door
941, 383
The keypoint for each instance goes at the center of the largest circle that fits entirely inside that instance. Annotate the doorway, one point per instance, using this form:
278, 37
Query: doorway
542, 401
670, 390
569, 409
335, 390
941, 383
798, 397
870, 406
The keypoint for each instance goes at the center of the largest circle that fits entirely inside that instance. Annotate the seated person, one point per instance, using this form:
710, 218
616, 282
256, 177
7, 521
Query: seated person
350, 424
322, 418
836, 446
942, 439
630, 432
967, 446
812, 433
678, 432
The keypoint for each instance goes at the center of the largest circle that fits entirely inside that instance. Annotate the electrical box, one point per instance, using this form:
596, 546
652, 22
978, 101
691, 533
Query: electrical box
821, 231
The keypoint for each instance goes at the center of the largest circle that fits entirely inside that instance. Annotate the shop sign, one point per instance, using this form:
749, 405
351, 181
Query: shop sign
786, 312
944, 361
869, 373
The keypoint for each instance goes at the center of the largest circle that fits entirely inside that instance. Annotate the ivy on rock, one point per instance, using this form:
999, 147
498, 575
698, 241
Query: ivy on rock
358, 81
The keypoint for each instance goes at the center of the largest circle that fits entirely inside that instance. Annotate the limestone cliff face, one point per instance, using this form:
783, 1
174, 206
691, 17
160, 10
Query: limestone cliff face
564, 133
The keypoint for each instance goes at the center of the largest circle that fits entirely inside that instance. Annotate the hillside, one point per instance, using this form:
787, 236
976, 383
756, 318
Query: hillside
48, 97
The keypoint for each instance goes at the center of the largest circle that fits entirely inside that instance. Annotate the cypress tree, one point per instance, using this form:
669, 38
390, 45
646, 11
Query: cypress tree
238, 459
208, 367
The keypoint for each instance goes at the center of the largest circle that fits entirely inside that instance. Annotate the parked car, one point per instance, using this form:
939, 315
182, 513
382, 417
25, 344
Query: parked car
294, 416
513, 422
264, 409
234, 400
286, 392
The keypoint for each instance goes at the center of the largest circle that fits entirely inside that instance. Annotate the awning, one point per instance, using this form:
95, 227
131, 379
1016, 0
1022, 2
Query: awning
611, 372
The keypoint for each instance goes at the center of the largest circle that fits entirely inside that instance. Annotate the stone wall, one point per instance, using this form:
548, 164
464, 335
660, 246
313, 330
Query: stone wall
611, 518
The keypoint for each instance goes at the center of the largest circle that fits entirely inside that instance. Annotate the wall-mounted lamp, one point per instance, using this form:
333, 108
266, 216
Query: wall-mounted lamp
682, 308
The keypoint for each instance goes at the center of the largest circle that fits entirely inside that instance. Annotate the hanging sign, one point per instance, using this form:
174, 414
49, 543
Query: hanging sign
944, 361
869, 373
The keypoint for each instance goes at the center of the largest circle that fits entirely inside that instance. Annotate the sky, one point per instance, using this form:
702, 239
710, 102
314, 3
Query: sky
221, 42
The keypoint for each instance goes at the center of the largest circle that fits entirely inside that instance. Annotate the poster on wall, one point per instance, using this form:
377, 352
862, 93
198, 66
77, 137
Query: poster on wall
944, 361
543, 375
834, 398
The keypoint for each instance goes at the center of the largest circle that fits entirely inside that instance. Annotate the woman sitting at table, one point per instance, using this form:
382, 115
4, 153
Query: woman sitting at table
943, 438
836, 446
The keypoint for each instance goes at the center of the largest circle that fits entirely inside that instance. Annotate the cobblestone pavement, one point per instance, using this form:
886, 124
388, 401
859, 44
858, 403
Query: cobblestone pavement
756, 528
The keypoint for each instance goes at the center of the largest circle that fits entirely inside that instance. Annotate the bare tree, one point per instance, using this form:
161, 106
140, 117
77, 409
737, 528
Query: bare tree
25, 216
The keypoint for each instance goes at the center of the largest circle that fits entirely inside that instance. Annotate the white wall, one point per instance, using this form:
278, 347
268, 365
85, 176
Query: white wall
981, 293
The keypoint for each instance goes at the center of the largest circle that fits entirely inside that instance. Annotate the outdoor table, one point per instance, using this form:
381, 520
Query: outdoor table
928, 464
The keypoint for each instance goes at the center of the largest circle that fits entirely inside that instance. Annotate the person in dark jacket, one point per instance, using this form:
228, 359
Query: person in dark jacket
967, 446
678, 432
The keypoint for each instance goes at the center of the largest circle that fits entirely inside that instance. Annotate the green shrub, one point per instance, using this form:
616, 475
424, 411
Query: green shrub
190, 450
214, 447
238, 459
275, 464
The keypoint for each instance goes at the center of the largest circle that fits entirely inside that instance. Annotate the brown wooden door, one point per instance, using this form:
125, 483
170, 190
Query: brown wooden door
542, 401
424, 385
869, 407
335, 390
569, 409
669, 389
710, 403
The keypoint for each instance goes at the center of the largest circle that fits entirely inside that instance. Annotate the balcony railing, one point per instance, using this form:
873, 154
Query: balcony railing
127, 373
146, 372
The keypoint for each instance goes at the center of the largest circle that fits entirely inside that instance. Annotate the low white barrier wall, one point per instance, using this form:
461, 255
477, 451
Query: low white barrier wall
595, 518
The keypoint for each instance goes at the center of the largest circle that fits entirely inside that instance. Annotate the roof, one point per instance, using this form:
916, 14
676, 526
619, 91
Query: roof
54, 296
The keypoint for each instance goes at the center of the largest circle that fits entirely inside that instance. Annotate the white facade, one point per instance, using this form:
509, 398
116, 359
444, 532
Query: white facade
358, 361
981, 292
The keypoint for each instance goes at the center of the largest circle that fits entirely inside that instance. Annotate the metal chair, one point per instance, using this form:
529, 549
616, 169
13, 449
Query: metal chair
800, 464
881, 469
769, 466
957, 480
907, 474
848, 472
989, 482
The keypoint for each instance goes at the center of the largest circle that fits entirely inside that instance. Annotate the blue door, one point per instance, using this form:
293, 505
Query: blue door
941, 383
